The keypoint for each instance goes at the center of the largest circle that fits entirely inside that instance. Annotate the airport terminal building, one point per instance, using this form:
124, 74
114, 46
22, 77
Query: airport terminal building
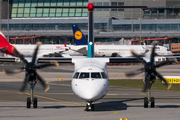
23, 24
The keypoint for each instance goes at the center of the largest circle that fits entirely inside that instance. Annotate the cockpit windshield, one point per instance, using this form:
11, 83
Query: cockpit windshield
76, 75
93, 75
104, 75
84, 75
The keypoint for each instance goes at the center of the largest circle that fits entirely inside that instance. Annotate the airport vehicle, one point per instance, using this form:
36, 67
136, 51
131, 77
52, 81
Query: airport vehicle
114, 50
90, 80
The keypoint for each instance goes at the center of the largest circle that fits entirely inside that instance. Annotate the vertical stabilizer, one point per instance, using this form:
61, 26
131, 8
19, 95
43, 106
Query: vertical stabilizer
79, 36
3, 40
5, 46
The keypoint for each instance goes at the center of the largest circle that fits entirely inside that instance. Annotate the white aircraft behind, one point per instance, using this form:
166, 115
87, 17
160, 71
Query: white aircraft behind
44, 50
114, 50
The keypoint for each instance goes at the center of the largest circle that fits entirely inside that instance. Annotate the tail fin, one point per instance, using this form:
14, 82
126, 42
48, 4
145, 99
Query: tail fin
79, 36
5, 46
3, 40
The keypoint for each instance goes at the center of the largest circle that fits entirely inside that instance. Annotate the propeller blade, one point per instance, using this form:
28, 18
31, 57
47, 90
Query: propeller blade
43, 83
21, 57
146, 84
35, 55
130, 74
139, 58
11, 72
162, 79
54, 63
153, 53
26, 79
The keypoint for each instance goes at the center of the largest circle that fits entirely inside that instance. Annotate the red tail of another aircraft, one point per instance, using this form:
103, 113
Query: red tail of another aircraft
5, 46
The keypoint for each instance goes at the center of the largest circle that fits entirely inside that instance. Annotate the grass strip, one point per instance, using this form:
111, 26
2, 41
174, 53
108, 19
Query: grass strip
138, 83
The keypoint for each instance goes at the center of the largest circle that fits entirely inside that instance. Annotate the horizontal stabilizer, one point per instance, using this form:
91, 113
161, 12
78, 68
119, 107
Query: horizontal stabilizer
3, 48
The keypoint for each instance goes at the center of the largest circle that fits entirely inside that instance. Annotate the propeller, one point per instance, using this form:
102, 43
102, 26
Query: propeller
150, 69
30, 69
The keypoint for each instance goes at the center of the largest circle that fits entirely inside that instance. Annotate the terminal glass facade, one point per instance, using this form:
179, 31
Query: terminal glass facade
25, 8
97, 26
52, 26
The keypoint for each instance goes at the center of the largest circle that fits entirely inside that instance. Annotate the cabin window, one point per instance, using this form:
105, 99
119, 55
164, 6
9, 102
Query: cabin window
104, 75
84, 75
95, 75
76, 75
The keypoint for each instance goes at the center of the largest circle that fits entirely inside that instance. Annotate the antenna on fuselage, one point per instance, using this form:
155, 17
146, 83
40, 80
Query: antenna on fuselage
91, 7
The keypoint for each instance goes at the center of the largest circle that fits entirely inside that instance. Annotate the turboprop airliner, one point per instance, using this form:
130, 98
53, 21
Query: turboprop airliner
114, 50
90, 80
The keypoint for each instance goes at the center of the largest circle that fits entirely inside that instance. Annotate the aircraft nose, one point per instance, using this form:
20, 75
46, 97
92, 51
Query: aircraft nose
91, 94
170, 53
94, 91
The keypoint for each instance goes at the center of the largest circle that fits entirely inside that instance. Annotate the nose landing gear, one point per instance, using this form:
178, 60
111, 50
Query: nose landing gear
32, 100
89, 106
148, 100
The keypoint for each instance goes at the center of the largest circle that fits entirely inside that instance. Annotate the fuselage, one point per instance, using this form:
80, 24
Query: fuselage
44, 50
125, 50
90, 80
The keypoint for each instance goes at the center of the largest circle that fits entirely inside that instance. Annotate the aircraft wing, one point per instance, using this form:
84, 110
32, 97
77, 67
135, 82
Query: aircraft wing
69, 60
9, 59
58, 59
123, 60
80, 49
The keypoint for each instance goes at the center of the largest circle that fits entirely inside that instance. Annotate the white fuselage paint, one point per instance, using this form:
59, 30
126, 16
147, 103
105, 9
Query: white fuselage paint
90, 89
125, 50
28, 50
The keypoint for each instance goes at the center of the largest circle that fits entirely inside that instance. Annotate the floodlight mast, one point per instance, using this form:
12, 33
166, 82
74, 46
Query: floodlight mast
91, 7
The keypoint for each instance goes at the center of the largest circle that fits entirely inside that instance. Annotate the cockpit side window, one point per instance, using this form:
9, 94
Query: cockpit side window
95, 75
84, 75
76, 75
104, 75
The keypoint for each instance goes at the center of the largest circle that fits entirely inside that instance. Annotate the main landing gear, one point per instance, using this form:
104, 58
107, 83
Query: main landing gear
148, 100
89, 106
32, 100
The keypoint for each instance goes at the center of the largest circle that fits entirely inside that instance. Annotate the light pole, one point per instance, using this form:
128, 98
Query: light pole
8, 22
140, 25
0, 14
132, 21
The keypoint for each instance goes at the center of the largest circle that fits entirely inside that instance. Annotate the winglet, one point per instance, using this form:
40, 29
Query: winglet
65, 46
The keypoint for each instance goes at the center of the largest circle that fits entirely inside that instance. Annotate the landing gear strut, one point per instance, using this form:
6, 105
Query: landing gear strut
89, 106
149, 99
32, 100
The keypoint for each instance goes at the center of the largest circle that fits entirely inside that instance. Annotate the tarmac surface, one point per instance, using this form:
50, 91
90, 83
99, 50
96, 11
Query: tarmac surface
59, 103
